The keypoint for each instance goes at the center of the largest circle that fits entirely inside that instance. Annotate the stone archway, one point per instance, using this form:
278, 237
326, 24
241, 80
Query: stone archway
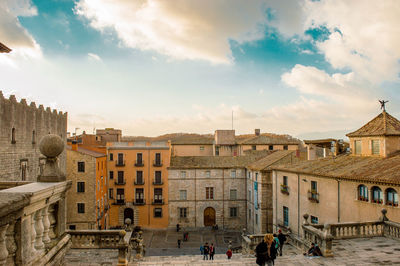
128, 213
209, 216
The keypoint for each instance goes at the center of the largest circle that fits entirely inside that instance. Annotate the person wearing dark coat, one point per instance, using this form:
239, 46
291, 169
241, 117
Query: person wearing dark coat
282, 239
266, 251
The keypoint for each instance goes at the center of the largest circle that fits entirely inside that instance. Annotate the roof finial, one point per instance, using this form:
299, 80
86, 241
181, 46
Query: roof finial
383, 102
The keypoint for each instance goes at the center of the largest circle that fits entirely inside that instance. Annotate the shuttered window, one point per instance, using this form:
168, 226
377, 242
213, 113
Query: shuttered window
375, 146
357, 146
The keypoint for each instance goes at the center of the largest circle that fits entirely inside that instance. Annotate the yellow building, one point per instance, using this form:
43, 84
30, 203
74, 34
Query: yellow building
138, 183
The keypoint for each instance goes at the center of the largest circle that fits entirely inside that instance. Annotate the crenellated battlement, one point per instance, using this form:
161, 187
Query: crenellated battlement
22, 125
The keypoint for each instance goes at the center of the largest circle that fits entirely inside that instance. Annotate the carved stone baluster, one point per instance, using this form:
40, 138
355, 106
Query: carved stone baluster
11, 244
33, 236
39, 230
52, 220
46, 226
3, 246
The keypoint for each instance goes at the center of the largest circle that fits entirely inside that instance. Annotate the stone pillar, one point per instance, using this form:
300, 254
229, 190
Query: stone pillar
3, 246
46, 226
11, 244
39, 230
33, 236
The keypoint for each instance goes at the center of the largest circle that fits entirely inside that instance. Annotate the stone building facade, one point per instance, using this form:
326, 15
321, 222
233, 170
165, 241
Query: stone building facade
87, 201
206, 191
353, 187
21, 128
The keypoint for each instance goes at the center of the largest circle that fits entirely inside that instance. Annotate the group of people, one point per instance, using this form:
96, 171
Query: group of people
207, 251
267, 250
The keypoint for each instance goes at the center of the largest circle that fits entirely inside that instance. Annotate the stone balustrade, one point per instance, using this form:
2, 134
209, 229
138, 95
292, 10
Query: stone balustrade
322, 238
95, 238
250, 242
32, 224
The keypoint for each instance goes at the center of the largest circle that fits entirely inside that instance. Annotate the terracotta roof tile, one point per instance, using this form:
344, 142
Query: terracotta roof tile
87, 152
362, 168
270, 159
382, 125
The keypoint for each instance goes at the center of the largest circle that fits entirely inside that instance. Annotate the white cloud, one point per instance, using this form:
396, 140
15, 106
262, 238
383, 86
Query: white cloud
94, 57
187, 29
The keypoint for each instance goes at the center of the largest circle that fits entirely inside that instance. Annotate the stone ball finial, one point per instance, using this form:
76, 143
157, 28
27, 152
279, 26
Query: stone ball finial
51, 145
128, 221
384, 211
305, 216
122, 233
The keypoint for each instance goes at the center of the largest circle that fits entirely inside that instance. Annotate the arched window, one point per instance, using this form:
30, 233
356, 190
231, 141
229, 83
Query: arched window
377, 195
362, 193
33, 137
391, 197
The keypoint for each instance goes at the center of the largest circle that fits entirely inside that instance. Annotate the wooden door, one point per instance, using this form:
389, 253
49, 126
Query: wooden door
209, 217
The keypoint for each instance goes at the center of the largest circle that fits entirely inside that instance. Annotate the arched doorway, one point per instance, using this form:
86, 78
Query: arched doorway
128, 213
209, 217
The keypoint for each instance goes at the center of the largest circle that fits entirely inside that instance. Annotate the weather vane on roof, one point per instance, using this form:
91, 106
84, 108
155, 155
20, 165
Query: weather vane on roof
383, 102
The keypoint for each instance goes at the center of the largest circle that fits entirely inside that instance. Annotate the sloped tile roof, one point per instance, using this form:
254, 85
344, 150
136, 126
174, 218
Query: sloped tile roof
350, 167
87, 152
382, 125
268, 160
266, 140
4, 49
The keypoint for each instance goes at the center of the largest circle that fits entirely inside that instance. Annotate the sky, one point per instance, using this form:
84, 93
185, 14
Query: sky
311, 69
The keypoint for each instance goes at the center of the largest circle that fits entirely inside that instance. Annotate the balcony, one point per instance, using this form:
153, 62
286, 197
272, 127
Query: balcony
157, 163
139, 182
313, 196
139, 202
158, 201
139, 163
377, 201
120, 182
120, 163
284, 189
119, 202
391, 203
158, 182
362, 198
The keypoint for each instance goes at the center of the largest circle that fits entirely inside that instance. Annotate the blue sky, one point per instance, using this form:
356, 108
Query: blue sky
305, 68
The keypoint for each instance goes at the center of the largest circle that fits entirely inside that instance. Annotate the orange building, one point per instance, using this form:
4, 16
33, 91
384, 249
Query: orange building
138, 183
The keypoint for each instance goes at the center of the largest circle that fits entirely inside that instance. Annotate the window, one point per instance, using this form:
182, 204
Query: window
120, 160
233, 173
81, 187
120, 195
249, 175
157, 177
81, 167
216, 151
391, 197
362, 193
254, 147
249, 214
285, 147
158, 159
139, 177
256, 176
120, 177
139, 195
314, 220
314, 186
81, 207
111, 157
208, 173
139, 159
233, 194
375, 144
23, 166
111, 174
357, 146
158, 195
285, 181
157, 212
182, 194
202, 148
256, 218
13, 141
249, 195
209, 193
183, 174
270, 147
72, 227
377, 196
233, 212
33, 137
285, 216
182, 212
111, 193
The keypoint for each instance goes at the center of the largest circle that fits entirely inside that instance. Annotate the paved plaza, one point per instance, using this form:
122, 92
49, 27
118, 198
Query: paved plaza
361, 251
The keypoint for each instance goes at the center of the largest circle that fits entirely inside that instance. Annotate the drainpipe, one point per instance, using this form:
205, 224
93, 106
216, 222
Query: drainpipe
195, 198
298, 205
338, 200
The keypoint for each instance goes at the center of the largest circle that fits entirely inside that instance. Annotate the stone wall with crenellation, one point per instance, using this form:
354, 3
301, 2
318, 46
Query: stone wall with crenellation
28, 123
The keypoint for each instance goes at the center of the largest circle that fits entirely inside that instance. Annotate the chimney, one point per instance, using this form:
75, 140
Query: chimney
74, 145
257, 132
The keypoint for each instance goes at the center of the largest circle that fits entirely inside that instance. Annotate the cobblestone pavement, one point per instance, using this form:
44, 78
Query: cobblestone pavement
361, 251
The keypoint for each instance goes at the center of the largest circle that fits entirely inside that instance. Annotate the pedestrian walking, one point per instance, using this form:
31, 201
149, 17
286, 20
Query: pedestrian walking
177, 227
206, 251
179, 243
202, 250
266, 251
229, 253
212, 251
282, 239
276, 240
